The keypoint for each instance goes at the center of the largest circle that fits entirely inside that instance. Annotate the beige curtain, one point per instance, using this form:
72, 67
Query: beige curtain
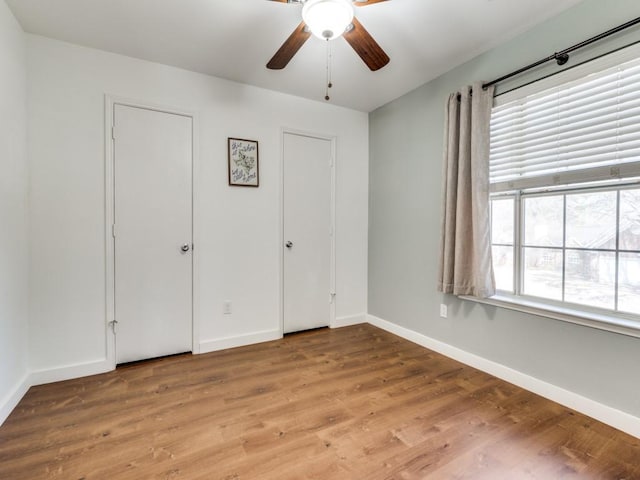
465, 246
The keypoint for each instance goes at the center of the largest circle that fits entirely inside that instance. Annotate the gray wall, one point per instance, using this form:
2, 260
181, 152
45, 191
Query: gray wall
404, 215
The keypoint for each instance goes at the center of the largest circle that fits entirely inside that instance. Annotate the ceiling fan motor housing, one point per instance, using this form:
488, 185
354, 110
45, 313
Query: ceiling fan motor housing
327, 19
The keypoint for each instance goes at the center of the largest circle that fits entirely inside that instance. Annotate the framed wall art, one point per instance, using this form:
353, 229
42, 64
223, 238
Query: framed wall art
243, 162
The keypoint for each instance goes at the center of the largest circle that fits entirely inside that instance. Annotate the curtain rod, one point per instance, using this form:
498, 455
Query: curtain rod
553, 74
562, 57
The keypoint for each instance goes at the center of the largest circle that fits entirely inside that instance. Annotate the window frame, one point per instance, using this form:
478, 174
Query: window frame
605, 319
609, 323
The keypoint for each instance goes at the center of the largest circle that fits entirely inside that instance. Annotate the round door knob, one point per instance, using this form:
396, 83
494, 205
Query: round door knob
185, 248
288, 244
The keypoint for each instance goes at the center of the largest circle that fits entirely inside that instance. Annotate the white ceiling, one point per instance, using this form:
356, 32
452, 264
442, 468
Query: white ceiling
234, 39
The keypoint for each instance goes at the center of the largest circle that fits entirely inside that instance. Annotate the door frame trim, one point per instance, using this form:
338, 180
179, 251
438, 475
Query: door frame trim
110, 101
332, 221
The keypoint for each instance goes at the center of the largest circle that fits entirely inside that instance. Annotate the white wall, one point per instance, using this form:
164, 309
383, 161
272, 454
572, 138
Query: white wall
405, 169
13, 212
239, 228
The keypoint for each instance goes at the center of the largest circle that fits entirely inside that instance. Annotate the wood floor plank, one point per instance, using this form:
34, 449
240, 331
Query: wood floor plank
353, 403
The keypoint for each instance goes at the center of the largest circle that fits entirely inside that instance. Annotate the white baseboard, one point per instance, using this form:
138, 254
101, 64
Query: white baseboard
67, 372
12, 399
349, 320
49, 375
239, 341
611, 416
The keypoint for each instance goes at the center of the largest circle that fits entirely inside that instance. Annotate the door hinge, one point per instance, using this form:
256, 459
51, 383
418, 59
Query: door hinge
113, 132
332, 297
331, 161
113, 230
113, 324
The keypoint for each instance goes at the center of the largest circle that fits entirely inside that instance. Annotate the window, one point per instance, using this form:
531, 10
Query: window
565, 205
579, 246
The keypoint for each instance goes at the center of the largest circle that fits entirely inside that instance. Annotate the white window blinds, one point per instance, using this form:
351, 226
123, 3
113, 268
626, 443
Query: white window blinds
584, 130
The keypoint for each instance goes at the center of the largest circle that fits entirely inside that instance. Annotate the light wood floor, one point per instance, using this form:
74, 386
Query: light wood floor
354, 403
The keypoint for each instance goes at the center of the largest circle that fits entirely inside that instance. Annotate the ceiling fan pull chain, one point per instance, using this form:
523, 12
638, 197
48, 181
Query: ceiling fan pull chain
329, 84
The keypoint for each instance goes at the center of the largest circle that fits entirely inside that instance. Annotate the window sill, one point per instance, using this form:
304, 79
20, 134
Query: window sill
608, 323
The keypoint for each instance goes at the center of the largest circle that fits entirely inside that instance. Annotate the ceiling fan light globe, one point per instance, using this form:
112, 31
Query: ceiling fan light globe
327, 19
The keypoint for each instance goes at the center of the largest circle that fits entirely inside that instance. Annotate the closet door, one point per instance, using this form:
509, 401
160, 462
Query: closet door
307, 297
152, 233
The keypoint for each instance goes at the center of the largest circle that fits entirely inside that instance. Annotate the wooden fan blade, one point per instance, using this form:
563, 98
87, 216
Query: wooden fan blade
361, 3
366, 47
289, 48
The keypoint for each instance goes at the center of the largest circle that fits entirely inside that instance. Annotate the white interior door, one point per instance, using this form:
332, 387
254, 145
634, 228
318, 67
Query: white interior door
307, 232
152, 233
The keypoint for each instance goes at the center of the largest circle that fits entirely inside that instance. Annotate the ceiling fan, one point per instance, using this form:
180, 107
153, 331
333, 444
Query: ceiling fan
329, 19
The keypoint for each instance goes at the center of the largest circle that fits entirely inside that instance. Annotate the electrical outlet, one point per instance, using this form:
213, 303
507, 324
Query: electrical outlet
443, 310
226, 307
